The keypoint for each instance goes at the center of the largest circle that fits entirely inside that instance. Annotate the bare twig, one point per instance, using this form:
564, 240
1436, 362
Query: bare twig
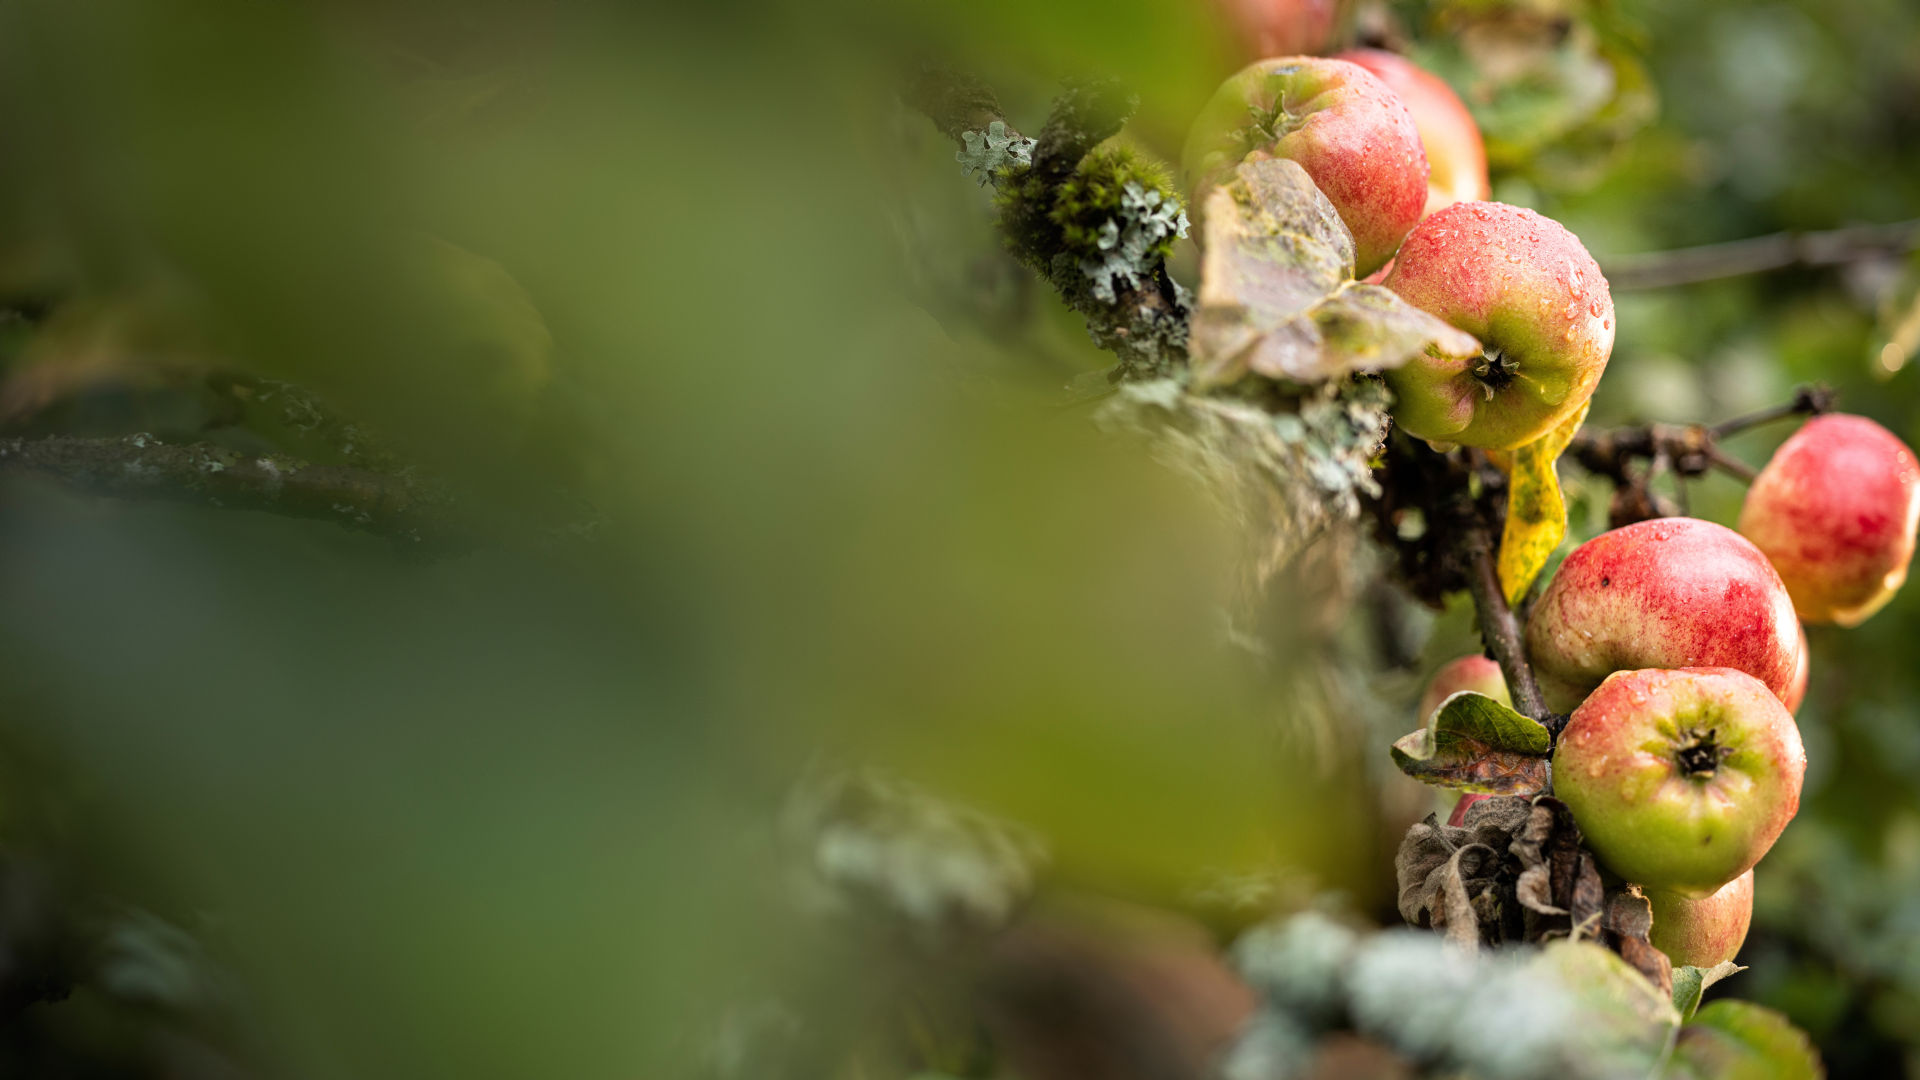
1807, 401
391, 504
1684, 266
1500, 629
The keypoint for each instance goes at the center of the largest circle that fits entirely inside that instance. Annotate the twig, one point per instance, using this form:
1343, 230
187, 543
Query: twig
394, 505
1709, 262
1500, 629
1807, 401
955, 101
1732, 466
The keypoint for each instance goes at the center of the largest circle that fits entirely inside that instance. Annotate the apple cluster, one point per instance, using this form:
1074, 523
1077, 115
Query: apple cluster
1675, 643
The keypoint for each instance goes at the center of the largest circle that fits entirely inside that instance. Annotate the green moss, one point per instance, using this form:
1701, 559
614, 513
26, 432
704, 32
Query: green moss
1096, 195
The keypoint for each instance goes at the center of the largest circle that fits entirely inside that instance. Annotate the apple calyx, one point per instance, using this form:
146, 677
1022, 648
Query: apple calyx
1496, 370
1701, 756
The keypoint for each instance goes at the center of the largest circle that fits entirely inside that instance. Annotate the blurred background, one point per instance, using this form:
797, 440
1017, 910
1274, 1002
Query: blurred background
794, 629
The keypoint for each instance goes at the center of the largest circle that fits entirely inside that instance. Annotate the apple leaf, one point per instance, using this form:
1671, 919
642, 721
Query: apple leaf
1741, 1039
1477, 744
1536, 510
1277, 296
1690, 982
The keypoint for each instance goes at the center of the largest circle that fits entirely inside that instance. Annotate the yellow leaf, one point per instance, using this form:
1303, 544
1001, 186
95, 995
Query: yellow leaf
1536, 512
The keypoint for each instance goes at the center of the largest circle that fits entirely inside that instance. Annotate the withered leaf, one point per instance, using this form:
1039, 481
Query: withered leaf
1478, 744
1450, 878
1277, 296
1536, 509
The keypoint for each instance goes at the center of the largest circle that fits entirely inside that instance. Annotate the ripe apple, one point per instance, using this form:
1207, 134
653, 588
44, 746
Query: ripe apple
1702, 932
1282, 27
1680, 780
1476, 673
1455, 154
1525, 287
1836, 511
1797, 689
1351, 134
1663, 593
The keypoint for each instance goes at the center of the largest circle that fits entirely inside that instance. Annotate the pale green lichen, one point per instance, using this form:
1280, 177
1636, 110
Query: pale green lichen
989, 152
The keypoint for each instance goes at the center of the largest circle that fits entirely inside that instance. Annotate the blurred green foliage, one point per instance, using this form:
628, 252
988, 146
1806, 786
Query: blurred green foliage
695, 277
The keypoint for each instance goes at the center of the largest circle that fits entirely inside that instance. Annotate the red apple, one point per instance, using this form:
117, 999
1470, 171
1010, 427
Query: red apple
1475, 673
1836, 511
1797, 689
1350, 133
1282, 27
1680, 780
1468, 673
1664, 593
1525, 287
1455, 153
1702, 932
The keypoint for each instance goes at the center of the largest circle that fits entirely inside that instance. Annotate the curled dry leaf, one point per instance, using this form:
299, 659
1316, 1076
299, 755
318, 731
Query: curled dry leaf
1450, 878
1517, 871
1277, 296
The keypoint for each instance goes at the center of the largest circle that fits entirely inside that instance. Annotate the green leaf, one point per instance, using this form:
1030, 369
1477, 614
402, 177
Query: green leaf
1738, 1040
1536, 510
1477, 744
1691, 982
1277, 296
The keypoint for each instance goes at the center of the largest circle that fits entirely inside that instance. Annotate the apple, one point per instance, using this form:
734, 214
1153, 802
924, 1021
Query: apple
1797, 689
1458, 818
1476, 673
1702, 932
1456, 156
1525, 287
1350, 133
1835, 509
1662, 593
1468, 673
1282, 27
1680, 780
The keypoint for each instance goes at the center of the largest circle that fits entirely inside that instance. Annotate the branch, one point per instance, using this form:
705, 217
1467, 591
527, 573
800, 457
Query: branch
1685, 266
1144, 323
395, 505
955, 101
1500, 629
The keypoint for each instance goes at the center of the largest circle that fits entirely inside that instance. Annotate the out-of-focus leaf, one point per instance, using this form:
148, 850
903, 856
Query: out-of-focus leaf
1536, 509
1277, 296
1477, 744
1690, 982
1738, 1040
1624, 1021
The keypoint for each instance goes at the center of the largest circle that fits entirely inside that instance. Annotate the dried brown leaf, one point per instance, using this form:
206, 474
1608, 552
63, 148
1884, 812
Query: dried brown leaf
1277, 296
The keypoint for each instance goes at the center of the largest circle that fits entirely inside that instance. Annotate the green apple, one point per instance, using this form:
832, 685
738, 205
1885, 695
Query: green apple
1680, 780
1706, 931
1525, 287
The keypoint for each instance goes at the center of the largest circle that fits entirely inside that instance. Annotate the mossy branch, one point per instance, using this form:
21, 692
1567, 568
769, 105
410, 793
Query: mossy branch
396, 505
1118, 279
